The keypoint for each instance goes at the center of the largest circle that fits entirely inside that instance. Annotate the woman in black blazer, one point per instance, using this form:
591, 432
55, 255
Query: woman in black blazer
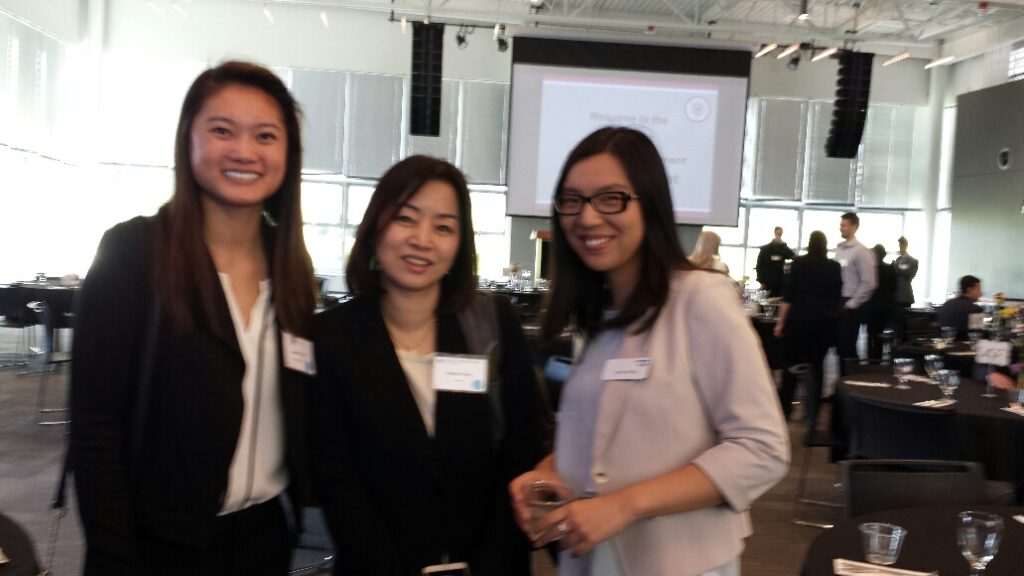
186, 425
811, 300
411, 472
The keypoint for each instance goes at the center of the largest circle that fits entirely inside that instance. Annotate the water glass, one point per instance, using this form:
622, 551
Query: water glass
932, 364
903, 367
542, 497
1015, 397
948, 381
882, 542
949, 335
978, 534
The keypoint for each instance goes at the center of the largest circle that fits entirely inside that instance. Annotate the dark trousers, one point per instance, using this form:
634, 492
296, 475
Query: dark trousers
878, 320
849, 328
250, 542
807, 349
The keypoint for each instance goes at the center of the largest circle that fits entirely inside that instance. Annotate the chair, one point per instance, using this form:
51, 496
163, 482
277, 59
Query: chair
874, 485
14, 316
52, 361
814, 438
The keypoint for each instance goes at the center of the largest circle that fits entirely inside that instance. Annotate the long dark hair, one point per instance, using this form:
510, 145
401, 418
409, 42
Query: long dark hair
185, 277
578, 294
817, 246
400, 183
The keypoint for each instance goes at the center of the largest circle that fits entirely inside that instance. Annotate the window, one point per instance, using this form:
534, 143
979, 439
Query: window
1016, 67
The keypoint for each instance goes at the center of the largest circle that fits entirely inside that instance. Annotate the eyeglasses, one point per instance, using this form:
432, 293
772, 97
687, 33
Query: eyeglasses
603, 202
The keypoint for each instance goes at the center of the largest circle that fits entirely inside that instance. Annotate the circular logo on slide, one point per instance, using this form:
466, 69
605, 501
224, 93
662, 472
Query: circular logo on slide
697, 109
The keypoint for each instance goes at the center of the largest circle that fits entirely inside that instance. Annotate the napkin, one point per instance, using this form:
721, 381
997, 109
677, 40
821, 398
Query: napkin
869, 384
3, 557
1019, 518
963, 353
850, 568
1017, 411
918, 378
937, 403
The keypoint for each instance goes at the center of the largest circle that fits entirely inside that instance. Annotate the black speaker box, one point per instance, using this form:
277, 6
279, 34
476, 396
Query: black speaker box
851, 104
425, 97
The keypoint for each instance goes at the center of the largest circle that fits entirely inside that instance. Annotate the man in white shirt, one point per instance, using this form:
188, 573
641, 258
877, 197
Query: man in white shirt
860, 278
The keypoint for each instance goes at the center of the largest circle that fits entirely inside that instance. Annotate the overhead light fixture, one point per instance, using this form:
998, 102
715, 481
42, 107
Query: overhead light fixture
155, 7
500, 38
460, 36
267, 14
804, 13
498, 30
536, 3
940, 61
788, 50
179, 9
794, 62
897, 58
824, 54
323, 18
405, 24
766, 49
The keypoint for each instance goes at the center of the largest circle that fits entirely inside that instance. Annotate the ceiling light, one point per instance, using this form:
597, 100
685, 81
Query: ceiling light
794, 62
179, 9
535, 3
824, 54
789, 50
460, 37
498, 28
323, 18
155, 7
405, 24
940, 62
267, 14
897, 58
766, 49
804, 13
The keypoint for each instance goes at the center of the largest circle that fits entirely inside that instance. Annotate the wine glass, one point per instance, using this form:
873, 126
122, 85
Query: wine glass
948, 381
902, 367
949, 335
978, 534
932, 364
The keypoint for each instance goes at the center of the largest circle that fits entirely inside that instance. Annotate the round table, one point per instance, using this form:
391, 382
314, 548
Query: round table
930, 543
18, 548
958, 355
982, 430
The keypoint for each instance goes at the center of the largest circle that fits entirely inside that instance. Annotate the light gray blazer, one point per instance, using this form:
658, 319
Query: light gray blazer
709, 400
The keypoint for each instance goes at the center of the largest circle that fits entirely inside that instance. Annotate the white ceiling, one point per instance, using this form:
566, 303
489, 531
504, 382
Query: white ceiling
897, 24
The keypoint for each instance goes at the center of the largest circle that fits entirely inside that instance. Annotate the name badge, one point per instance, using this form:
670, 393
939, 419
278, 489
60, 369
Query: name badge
842, 262
992, 352
776, 257
904, 266
462, 373
626, 369
298, 354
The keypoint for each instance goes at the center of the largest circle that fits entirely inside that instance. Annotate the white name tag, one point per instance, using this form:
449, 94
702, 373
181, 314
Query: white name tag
842, 262
904, 266
994, 353
776, 257
976, 321
626, 369
462, 373
298, 354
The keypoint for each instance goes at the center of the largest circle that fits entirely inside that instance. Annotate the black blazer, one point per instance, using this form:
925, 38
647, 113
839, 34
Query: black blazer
192, 419
813, 290
395, 499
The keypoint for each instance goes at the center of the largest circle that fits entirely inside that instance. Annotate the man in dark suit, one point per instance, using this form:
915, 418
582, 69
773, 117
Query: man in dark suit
771, 262
956, 310
905, 267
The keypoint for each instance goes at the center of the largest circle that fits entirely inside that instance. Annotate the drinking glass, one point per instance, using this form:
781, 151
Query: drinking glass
978, 534
882, 542
949, 335
974, 336
948, 381
542, 497
902, 367
932, 364
1014, 396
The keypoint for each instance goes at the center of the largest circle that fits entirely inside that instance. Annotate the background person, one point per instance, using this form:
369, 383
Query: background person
705, 253
771, 263
860, 278
955, 311
905, 267
881, 304
410, 473
179, 467
807, 320
675, 451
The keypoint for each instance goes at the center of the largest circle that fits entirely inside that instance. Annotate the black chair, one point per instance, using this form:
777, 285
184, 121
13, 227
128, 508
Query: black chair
14, 316
875, 485
52, 361
815, 438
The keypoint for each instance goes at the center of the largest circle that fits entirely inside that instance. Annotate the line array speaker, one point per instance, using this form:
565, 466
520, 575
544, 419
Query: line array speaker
851, 104
425, 97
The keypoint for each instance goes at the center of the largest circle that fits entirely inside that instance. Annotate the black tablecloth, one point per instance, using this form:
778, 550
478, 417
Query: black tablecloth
773, 350
958, 356
60, 298
18, 548
930, 542
983, 432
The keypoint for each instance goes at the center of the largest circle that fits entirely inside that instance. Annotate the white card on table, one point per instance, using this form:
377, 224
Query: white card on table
626, 369
976, 321
992, 352
460, 373
298, 354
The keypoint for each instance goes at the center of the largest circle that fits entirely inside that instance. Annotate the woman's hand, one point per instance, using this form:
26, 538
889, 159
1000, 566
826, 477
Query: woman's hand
587, 522
1000, 380
516, 492
777, 331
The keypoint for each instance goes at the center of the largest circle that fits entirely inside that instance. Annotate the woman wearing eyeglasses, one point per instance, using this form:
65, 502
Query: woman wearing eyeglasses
669, 426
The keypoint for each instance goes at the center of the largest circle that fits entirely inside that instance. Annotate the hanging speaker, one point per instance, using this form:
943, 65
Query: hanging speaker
425, 97
851, 104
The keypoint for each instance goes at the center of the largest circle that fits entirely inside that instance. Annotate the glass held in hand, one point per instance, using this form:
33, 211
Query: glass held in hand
903, 367
542, 497
978, 534
882, 542
932, 364
948, 381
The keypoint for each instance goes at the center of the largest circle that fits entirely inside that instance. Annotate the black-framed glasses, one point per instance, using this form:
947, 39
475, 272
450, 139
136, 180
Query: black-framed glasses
603, 202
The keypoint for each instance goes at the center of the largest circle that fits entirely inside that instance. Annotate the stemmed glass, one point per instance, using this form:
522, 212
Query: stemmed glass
948, 381
902, 367
979, 534
932, 364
